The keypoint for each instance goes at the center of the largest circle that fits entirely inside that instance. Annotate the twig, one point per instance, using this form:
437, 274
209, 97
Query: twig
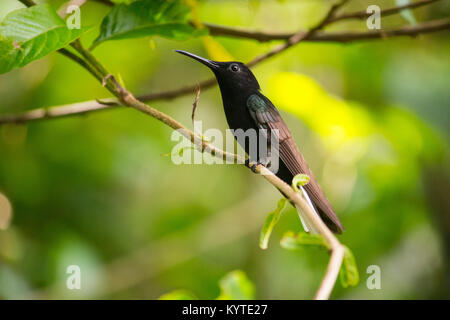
195, 104
80, 109
81, 62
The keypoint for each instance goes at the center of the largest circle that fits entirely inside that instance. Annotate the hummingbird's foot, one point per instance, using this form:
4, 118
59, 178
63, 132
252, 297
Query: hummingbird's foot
253, 166
264, 162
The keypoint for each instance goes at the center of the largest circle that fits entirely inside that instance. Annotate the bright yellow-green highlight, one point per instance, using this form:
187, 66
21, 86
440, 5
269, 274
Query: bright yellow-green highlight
335, 120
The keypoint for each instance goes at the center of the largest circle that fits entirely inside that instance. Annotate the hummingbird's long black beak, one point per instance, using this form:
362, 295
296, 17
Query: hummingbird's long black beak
209, 63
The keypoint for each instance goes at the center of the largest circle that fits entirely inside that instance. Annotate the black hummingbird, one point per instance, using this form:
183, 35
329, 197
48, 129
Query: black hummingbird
247, 108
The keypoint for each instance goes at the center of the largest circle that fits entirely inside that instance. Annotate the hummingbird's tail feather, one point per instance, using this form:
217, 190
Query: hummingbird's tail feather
306, 221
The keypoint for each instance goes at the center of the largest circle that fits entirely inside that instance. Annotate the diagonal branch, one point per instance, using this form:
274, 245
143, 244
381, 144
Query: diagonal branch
299, 36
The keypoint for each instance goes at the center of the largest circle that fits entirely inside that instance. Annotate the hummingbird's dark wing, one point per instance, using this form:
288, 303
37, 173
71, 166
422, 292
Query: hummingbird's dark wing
267, 117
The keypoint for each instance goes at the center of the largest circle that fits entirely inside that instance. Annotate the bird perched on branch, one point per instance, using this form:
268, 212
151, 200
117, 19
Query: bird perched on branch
247, 108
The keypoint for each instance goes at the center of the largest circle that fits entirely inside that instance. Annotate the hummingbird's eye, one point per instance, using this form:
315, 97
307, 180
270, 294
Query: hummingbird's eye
234, 67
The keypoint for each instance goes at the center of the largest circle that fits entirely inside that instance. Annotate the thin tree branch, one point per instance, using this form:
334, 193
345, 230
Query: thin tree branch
80, 109
383, 13
219, 30
425, 27
81, 62
297, 37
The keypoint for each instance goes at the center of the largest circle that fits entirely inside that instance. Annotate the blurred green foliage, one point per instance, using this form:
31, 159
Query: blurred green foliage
178, 295
370, 117
235, 285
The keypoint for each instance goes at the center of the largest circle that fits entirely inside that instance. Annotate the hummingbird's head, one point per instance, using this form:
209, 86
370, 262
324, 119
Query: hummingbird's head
231, 76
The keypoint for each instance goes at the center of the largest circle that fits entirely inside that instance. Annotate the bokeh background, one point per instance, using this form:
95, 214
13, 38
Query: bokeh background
98, 191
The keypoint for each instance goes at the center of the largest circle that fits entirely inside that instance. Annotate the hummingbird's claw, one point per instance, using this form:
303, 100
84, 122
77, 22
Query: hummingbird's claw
264, 162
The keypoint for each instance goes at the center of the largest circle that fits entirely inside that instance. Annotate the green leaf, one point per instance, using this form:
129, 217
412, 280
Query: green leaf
348, 273
299, 180
31, 33
269, 224
147, 18
298, 241
407, 14
178, 295
236, 286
